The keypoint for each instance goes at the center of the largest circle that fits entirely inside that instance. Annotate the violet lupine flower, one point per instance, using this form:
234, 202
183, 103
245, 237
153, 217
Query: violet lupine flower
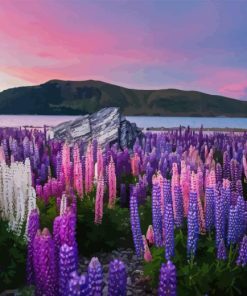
226, 194
242, 257
218, 173
33, 226
232, 226
156, 214
219, 218
117, 279
95, 277
193, 225
78, 285
209, 208
179, 206
167, 280
240, 208
44, 264
169, 231
221, 251
135, 224
67, 264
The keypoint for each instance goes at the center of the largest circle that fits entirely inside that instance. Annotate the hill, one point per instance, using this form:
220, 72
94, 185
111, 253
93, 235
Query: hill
57, 97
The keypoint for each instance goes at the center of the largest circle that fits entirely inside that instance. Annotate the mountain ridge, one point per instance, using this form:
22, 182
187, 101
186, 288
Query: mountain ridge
61, 97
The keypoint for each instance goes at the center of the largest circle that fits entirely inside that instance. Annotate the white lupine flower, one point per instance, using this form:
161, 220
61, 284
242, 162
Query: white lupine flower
17, 196
63, 204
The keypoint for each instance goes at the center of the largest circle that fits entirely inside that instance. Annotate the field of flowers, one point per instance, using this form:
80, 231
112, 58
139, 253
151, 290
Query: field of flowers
178, 199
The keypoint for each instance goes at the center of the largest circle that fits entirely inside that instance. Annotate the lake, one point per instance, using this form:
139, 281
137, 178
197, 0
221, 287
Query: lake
141, 121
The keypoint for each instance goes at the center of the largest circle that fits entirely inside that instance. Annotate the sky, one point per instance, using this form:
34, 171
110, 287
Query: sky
192, 45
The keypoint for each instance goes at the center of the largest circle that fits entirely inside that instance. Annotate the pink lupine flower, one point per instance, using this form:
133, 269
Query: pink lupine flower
174, 182
100, 163
147, 254
112, 183
89, 169
150, 235
66, 163
135, 162
99, 201
185, 186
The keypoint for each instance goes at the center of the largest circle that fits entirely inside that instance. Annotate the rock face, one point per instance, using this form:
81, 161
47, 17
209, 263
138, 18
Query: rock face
108, 126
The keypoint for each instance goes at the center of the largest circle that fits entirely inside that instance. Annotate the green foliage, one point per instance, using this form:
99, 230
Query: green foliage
204, 274
12, 258
48, 213
114, 232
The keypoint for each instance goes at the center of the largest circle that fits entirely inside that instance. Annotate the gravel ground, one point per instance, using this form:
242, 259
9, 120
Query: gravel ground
137, 284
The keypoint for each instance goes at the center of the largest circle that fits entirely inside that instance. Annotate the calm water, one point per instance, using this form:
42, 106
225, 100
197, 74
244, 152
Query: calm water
141, 121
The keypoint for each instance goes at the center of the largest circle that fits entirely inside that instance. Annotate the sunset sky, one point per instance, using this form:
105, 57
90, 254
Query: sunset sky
194, 45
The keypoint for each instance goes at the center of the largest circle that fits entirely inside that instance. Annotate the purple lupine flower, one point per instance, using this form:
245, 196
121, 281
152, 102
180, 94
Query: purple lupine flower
33, 226
135, 224
226, 195
95, 277
242, 257
193, 225
67, 265
209, 208
240, 208
117, 279
56, 237
167, 280
219, 218
44, 264
221, 251
232, 226
218, 173
169, 231
156, 214
167, 191
78, 285
179, 206
239, 187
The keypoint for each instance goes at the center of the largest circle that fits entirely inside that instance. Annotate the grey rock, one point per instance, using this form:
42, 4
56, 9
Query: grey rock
108, 126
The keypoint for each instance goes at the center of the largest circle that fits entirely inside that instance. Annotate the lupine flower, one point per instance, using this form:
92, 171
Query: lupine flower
221, 251
167, 280
44, 264
169, 231
209, 208
179, 206
147, 254
156, 214
232, 226
78, 285
135, 224
219, 218
193, 225
33, 226
95, 277
242, 257
112, 183
150, 235
117, 279
99, 201
67, 264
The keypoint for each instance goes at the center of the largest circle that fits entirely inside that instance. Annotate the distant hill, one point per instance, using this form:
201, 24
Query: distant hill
57, 97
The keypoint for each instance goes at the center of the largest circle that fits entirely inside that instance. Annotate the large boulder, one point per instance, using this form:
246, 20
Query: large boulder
108, 126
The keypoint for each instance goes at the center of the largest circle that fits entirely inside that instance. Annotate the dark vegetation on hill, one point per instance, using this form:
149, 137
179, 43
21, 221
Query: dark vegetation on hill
57, 97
